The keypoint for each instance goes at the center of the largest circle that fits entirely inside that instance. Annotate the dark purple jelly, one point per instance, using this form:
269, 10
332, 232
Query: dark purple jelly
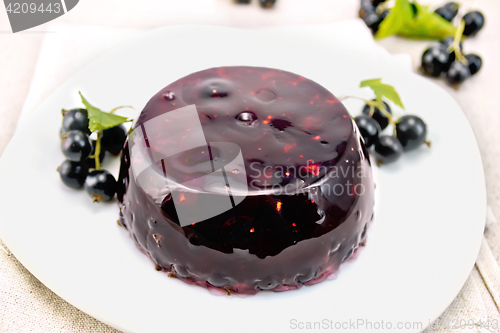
310, 187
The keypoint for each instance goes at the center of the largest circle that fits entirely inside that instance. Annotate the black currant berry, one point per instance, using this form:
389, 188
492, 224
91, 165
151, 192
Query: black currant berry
378, 115
475, 63
474, 21
100, 185
113, 139
448, 11
91, 161
368, 128
73, 174
76, 119
458, 72
387, 149
377, 2
373, 20
437, 60
76, 145
365, 8
267, 3
411, 132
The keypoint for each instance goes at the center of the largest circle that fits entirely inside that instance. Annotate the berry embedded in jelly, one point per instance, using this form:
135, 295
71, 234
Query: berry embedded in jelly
268, 185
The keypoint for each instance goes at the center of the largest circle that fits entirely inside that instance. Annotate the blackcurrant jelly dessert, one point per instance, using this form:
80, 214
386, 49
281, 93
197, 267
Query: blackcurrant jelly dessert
245, 179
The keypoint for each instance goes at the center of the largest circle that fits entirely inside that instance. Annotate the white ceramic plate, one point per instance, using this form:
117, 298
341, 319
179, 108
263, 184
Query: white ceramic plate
421, 249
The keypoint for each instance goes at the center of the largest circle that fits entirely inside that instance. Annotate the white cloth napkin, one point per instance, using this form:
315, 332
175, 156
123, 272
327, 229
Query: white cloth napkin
72, 47
26, 305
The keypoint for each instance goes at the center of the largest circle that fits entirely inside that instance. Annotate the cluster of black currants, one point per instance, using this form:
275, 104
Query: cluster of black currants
410, 132
263, 3
370, 15
447, 58
84, 155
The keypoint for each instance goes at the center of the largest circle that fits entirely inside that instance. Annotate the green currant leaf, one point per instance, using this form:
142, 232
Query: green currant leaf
399, 15
382, 90
100, 120
427, 25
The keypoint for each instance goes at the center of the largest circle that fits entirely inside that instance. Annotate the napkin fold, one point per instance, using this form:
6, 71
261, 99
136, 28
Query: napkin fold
71, 47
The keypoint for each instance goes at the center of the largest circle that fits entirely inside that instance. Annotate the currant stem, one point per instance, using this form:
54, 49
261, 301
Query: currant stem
381, 107
455, 46
372, 111
374, 104
383, 7
121, 107
355, 97
98, 151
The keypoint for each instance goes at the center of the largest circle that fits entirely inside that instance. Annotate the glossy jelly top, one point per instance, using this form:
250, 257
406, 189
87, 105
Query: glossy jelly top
277, 118
305, 170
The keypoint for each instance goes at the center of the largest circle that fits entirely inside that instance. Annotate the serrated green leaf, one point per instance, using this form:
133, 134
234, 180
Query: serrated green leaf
399, 15
382, 90
424, 25
427, 25
100, 120
370, 83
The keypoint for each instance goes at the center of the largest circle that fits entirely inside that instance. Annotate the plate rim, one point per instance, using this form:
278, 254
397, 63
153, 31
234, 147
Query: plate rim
160, 30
